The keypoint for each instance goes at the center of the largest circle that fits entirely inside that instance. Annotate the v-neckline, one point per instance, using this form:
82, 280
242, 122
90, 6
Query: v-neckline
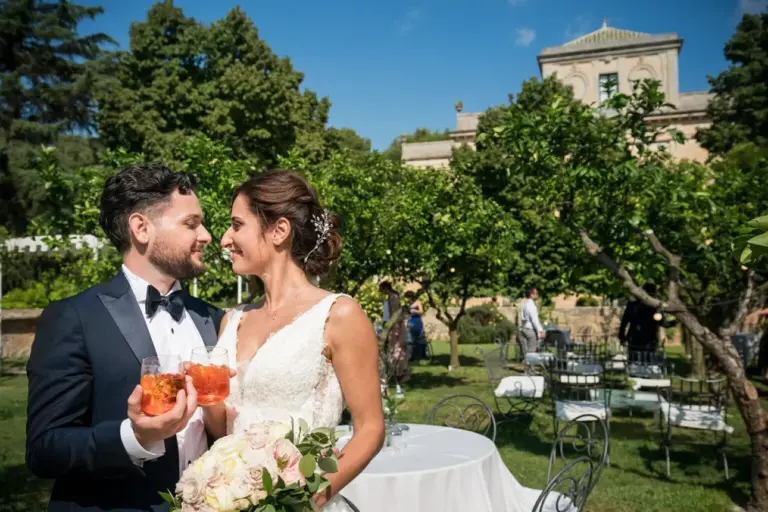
272, 334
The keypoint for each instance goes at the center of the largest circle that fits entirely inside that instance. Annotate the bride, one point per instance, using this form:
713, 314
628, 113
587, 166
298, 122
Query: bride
301, 351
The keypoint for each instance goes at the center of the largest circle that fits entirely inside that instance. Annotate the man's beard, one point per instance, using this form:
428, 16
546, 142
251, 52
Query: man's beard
174, 263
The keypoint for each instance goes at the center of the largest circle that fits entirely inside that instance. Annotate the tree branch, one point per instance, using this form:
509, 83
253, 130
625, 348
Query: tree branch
438, 311
736, 322
619, 271
673, 261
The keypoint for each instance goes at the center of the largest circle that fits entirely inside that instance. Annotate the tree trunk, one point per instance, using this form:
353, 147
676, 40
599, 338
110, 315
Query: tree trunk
454, 337
759, 473
720, 346
687, 340
698, 368
747, 400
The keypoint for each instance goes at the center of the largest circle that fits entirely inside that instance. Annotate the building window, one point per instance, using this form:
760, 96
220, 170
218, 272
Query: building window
609, 85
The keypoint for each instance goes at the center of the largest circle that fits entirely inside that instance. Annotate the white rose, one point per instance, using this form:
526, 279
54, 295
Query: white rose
207, 466
191, 487
222, 500
227, 446
279, 430
254, 458
240, 487
257, 495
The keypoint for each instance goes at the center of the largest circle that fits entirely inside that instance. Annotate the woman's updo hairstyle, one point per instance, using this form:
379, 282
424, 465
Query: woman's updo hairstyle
281, 193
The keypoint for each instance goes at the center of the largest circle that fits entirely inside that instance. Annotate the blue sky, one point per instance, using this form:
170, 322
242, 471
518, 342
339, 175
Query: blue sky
392, 66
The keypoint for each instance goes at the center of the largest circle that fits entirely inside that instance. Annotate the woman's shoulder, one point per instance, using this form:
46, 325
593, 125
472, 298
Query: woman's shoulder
344, 308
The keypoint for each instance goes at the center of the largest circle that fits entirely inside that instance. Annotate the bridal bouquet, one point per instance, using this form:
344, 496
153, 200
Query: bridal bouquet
272, 467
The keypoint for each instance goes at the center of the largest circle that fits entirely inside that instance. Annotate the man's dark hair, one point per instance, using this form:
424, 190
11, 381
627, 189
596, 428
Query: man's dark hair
385, 286
649, 288
137, 189
529, 291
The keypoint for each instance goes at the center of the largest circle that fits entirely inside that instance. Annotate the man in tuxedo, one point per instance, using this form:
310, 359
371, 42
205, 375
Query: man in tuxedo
85, 427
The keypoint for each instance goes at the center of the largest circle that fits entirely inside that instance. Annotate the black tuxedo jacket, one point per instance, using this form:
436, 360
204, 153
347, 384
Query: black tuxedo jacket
85, 362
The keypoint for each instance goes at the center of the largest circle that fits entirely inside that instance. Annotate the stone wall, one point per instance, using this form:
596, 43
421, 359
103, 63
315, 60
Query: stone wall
18, 325
597, 322
18, 329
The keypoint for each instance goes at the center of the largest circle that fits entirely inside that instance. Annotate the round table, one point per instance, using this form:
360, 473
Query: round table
431, 468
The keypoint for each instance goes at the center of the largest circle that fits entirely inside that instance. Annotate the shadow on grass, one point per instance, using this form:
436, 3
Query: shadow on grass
430, 381
689, 464
21, 491
464, 360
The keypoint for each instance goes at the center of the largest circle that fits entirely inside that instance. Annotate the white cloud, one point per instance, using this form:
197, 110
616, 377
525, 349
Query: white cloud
406, 25
753, 6
578, 27
525, 36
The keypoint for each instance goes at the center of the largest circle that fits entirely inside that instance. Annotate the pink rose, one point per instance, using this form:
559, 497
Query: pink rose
287, 457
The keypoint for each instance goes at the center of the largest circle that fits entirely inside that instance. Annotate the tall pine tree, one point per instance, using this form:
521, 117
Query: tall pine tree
48, 69
48, 74
739, 110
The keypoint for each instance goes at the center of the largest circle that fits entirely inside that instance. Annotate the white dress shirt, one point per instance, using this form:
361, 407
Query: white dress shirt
168, 337
530, 316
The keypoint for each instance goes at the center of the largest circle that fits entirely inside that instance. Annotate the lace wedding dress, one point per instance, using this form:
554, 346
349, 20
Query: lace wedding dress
289, 376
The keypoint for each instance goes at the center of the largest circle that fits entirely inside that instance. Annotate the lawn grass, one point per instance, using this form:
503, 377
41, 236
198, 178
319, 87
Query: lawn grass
634, 481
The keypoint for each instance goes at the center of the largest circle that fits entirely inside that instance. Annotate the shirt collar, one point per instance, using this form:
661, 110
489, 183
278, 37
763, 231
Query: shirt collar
139, 285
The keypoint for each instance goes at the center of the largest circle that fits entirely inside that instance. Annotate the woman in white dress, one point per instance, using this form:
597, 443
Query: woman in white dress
301, 352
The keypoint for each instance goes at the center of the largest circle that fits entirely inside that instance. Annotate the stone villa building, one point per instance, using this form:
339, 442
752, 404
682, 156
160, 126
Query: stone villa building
607, 55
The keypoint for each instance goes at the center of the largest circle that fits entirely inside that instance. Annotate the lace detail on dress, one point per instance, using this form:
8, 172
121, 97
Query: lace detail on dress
288, 376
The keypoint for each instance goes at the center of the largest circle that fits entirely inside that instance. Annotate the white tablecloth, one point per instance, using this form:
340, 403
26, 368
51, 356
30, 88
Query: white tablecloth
442, 469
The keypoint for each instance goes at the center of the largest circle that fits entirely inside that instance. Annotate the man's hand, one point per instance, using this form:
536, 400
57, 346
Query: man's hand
150, 430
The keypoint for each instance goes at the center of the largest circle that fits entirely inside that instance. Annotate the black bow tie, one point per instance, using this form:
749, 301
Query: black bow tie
173, 303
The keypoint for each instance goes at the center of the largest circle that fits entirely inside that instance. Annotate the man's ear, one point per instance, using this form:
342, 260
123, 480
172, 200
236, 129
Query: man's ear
139, 227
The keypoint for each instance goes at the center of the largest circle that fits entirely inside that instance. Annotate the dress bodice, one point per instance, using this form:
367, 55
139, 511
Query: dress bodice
288, 376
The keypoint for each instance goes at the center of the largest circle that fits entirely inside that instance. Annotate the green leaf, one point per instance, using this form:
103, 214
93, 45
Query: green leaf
313, 483
307, 465
267, 481
760, 223
328, 464
303, 426
324, 483
759, 241
168, 497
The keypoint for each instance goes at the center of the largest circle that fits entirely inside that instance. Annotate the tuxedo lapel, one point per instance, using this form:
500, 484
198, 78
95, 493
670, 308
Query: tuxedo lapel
124, 310
202, 319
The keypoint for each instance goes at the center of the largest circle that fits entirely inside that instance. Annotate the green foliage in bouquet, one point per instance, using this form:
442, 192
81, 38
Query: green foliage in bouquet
266, 491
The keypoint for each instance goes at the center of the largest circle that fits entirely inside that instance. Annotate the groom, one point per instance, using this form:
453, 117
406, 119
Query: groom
85, 427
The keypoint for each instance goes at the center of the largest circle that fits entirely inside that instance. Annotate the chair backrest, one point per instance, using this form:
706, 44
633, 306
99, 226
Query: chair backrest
495, 364
645, 363
583, 436
593, 352
558, 338
576, 381
710, 394
466, 412
569, 489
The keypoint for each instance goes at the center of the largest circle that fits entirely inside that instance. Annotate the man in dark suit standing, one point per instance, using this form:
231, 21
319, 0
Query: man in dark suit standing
85, 427
640, 325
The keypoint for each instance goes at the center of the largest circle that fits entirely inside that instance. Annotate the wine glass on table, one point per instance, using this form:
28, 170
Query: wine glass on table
209, 369
161, 381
